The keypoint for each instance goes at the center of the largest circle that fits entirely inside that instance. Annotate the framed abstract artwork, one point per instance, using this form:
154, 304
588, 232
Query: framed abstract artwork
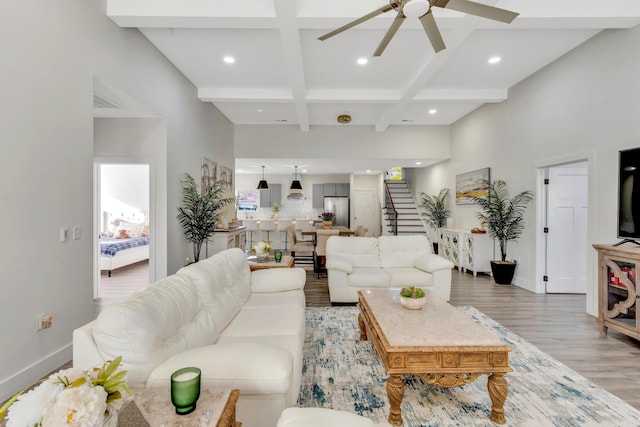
472, 184
209, 174
227, 176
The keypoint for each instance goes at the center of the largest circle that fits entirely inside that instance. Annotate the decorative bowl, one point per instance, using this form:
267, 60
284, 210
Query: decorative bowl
412, 303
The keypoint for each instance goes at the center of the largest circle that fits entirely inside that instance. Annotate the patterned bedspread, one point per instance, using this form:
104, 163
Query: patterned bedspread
110, 246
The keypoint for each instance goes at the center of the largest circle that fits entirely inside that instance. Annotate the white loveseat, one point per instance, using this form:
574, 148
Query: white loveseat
243, 329
357, 263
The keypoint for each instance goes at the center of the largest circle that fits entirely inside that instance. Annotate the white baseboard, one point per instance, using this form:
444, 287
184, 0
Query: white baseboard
34, 372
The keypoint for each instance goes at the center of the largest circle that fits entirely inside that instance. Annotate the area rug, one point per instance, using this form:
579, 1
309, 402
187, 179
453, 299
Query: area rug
342, 372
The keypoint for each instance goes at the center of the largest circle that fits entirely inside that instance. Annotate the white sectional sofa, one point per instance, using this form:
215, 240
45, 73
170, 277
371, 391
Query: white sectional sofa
357, 263
243, 329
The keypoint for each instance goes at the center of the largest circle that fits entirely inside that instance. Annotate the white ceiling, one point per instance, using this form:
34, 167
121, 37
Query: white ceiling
284, 75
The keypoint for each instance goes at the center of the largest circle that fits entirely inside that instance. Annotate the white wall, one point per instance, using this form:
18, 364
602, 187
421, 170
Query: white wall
51, 52
583, 106
397, 142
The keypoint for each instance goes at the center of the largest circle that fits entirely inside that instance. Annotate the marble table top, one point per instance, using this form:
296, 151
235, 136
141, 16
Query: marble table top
437, 324
153, 407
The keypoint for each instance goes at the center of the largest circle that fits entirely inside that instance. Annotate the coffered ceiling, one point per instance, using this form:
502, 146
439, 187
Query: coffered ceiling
283, 74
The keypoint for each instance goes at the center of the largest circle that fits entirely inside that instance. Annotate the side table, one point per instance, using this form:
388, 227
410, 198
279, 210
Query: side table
215, 408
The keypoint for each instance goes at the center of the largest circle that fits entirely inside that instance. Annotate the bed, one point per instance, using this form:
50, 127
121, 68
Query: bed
116, 253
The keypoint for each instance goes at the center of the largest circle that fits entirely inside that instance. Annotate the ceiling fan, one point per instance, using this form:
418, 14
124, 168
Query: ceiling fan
421, 9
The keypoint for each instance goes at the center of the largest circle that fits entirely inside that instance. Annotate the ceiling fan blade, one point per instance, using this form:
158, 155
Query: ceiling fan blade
478, 9
355, 22
395, 25
431, 28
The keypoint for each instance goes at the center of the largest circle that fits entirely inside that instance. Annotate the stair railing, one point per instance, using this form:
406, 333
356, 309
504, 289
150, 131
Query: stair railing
389, 202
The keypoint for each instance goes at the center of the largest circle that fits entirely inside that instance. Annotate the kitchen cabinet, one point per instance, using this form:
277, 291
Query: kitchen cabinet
320, 191
270, 196
617, 290
317, 196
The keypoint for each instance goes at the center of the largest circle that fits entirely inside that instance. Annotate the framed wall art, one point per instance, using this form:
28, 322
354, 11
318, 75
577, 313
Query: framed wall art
209, 174
227, 176
472, 184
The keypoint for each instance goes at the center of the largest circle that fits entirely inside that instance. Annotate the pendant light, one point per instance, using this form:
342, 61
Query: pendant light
295, 184
262, 185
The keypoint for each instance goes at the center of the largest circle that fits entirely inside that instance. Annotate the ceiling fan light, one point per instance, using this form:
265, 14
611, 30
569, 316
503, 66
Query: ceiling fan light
415, 8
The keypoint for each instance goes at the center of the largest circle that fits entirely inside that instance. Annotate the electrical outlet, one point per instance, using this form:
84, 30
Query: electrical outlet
44, 321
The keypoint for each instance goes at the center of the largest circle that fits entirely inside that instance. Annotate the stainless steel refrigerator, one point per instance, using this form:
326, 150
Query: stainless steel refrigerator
340, 207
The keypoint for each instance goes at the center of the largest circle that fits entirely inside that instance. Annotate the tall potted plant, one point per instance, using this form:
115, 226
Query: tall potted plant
200, 213
504, 218
435, 211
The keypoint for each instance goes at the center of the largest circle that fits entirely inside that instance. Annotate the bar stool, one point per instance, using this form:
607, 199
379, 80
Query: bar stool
252, 225
267, 225
282, 228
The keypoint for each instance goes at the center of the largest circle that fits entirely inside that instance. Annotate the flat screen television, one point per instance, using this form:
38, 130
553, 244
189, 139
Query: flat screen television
629, 196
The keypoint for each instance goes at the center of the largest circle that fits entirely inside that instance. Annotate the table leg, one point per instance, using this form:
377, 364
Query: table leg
498, 390
363, 330
395, 392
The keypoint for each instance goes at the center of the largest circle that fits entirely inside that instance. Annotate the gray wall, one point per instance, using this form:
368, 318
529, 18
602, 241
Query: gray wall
51, 53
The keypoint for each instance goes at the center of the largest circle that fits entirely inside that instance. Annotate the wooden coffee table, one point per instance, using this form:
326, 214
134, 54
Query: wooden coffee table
438, 343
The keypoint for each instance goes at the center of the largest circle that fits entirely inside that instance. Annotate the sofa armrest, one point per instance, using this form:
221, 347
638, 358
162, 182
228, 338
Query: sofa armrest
278, 280
85, 351
432, 263
339, 264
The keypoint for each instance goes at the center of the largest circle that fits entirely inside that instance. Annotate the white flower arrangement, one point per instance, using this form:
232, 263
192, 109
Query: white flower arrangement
71, 397
261, 248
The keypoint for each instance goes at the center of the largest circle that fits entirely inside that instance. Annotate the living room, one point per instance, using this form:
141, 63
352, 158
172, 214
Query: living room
581, 107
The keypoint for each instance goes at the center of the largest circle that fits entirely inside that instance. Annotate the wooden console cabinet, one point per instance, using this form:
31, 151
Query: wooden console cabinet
617, 293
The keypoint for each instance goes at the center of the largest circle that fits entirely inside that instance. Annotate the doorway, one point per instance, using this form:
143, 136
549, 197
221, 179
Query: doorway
124, 225
565, 194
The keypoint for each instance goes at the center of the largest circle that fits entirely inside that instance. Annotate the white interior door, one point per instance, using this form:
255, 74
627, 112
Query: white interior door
567, 222
366, 211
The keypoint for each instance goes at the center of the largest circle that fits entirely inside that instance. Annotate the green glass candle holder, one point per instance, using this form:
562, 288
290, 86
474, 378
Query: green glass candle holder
185, 389
277, 255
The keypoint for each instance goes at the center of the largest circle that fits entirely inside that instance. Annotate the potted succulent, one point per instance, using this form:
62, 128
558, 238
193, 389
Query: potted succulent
412, 298
199, 214
435, 211
327, 219
504, 219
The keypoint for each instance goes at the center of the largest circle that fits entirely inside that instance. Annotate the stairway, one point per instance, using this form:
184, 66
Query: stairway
409, 220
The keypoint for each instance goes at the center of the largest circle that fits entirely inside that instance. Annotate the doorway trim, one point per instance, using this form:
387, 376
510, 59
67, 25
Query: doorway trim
153, 222
541, 206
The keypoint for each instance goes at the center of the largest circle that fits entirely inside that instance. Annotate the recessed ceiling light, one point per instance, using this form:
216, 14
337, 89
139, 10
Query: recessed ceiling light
304, 170
418, 163
433, 111
260, 110
362, 61
229, 59
368, 171
494, 60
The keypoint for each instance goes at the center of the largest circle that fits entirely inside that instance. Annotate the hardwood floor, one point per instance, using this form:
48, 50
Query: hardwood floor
557, 324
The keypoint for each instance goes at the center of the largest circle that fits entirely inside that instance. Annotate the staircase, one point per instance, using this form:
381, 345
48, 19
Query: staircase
399, 197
